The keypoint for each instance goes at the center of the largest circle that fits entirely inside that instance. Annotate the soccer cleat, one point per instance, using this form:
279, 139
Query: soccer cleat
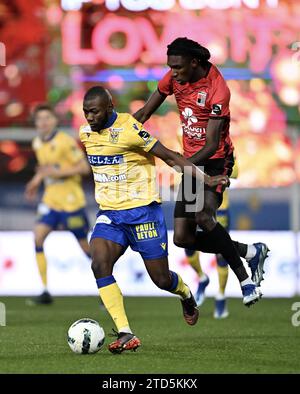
256, 264
251, 294
43, 299
124, 341
221, 311
190, 311
200, 294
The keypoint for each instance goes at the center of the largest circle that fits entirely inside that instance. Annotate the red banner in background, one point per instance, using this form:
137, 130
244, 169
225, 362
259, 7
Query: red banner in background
47, 47
242, 37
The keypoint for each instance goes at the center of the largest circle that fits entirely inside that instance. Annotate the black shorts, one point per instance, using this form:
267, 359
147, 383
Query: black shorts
185, 206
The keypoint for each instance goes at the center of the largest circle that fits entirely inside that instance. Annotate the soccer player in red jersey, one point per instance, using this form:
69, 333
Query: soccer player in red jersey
202, 97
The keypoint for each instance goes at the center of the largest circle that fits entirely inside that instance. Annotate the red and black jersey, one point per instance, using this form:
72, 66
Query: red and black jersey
198, 102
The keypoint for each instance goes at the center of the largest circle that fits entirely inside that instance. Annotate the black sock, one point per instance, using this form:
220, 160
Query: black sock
218, 241
208, 245
241, 248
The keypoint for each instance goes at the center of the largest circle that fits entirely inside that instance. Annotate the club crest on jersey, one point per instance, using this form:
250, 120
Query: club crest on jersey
201, 99
114, 135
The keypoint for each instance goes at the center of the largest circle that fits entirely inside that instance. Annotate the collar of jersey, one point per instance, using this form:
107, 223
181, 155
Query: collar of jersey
52, 135
111, 120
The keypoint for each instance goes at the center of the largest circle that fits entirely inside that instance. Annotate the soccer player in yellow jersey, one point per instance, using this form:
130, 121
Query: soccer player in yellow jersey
60, 165
121, 153
223, 217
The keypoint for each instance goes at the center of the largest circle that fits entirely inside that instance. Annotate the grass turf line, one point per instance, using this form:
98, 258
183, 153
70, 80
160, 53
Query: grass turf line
260, 339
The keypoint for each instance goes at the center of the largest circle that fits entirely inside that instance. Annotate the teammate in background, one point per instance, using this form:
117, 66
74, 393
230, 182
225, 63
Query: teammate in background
223, 217
121, 154
202, 97
60, 165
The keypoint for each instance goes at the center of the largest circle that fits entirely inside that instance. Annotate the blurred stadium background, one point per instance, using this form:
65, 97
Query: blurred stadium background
57, 49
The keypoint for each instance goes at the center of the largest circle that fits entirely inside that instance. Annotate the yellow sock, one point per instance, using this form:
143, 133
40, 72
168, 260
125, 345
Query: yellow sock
179, 287
195, 262
223, 276
112, 299
42, 264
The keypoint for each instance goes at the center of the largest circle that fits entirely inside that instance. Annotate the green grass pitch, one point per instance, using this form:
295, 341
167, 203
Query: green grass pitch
256, 340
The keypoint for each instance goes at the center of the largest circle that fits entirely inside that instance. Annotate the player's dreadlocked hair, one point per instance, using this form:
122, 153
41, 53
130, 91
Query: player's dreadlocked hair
183, 46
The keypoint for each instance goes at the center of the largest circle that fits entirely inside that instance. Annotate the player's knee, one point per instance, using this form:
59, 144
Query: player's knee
182, 240
39, 241
101, 266
205, 220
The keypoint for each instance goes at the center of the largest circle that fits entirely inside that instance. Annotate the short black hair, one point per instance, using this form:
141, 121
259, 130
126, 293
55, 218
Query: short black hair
43, 107
183, 46
96, 91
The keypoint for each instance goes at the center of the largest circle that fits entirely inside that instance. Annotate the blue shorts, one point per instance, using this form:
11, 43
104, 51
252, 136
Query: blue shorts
143, 229
76, 221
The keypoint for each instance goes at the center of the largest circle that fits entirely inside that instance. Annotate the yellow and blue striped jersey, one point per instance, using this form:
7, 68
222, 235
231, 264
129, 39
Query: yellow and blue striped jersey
62, 151
124, 171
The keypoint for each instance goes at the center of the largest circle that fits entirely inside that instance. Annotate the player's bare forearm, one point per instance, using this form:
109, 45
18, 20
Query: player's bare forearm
144, 113
204, 154
32, 187
174, 159
81, 168
213, 132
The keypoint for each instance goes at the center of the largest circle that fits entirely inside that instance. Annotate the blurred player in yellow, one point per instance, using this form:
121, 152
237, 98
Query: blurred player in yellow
223, 217
61, 163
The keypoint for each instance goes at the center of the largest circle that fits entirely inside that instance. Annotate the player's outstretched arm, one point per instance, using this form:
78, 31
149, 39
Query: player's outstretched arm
154, 101
175, 160
32, 187
80, 168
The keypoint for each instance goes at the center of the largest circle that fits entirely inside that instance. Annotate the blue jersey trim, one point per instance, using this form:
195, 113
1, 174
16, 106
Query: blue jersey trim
111, 120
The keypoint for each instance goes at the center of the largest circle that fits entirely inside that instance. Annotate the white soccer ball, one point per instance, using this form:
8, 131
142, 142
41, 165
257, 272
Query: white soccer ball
86, 336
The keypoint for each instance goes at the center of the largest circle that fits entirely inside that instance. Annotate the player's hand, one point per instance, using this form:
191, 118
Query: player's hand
218, 180
31, 189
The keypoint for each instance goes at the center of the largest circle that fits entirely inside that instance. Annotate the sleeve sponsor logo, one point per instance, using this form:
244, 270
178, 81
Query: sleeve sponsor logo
100, 160
216, 109
145, 136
